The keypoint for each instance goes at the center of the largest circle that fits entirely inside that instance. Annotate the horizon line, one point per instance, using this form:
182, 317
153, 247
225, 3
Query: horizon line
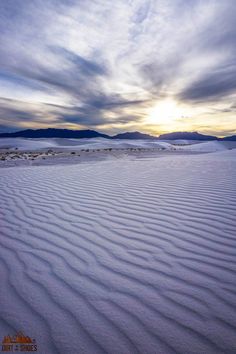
124, 132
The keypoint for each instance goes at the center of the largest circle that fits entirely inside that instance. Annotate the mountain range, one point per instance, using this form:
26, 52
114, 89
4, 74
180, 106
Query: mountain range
79, 134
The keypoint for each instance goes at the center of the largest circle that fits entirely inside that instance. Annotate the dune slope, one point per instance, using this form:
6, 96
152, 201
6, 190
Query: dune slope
126, 256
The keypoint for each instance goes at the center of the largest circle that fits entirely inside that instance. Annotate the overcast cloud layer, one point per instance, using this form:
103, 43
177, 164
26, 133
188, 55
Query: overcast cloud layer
153, 66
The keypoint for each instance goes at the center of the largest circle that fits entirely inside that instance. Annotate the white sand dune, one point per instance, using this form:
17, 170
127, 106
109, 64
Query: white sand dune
26, 144
94, 143
206, 146
121, 257
101, 143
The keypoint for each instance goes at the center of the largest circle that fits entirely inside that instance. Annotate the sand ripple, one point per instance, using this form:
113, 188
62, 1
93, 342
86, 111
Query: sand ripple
118, 257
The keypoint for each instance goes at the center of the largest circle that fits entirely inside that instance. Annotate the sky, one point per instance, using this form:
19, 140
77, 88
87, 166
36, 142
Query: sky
154, 66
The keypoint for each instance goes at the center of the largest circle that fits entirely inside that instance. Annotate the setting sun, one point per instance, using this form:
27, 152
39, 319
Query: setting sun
165, 112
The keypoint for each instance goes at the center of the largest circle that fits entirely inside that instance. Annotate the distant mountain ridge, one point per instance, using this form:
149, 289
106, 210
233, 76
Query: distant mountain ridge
187, 136
133, 135
54, 133
80, 134
230, 138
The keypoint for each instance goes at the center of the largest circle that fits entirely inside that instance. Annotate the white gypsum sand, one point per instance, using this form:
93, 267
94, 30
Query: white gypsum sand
121, 256
25, 152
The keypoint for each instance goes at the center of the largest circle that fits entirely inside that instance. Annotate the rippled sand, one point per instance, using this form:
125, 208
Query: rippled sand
121, 256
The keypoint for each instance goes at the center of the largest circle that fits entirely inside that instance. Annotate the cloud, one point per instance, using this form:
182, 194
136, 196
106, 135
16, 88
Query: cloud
41, 114
212, 86
73, 73
105, 64
142, 12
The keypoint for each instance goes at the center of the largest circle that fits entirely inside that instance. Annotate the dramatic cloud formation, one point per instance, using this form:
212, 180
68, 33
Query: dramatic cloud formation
154, 65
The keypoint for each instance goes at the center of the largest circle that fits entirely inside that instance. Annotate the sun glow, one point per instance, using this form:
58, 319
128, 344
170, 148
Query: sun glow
165, 112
